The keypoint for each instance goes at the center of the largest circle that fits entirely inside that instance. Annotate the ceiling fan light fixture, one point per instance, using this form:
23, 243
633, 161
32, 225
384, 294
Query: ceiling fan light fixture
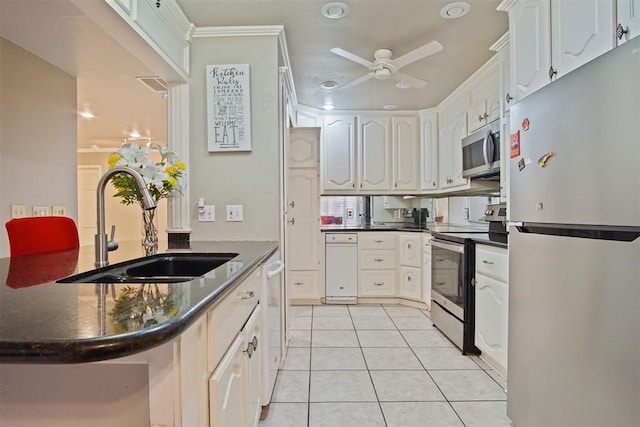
328, 85
328, 106
455, 10
390, 107
335, 10
383, 74
403, 85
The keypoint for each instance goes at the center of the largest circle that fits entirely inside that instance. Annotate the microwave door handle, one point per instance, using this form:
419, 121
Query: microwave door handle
488, 149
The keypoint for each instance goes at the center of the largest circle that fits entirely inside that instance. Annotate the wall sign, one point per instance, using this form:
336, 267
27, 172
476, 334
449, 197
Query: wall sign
228, 108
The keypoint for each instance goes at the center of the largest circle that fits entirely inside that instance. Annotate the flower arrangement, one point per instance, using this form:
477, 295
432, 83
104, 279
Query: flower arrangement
162, 178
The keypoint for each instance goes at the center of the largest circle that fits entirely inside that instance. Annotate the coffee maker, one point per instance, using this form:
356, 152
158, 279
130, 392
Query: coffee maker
416, 218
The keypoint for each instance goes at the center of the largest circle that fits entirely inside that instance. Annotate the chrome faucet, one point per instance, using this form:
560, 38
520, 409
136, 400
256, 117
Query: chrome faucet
102, 243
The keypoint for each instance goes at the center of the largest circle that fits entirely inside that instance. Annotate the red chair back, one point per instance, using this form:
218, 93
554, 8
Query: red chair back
41, 234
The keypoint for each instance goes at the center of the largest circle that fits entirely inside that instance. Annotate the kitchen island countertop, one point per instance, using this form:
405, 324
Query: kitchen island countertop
45, 322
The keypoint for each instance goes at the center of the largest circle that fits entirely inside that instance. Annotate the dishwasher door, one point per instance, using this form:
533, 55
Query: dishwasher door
341, 268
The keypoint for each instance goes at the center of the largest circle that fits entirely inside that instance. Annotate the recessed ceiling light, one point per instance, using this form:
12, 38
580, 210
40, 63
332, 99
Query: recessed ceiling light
87, 115
134, 134
329, 84
390, 107
328, 106
403, 85
335, 10
455, 10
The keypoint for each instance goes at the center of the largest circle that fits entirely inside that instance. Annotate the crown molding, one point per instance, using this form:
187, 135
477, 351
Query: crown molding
239, 31
506, 5
500, 43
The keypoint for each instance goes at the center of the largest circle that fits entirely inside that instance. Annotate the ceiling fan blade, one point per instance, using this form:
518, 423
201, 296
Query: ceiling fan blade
348, 55
417, 54
358, 81
413, 81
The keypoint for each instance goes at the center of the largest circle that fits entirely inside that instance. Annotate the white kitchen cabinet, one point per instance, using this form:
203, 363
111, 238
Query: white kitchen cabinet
406, 149
628, 25
484, 98
453, 127
426, 269
303, 224
227, 388
505, 158
550, 38
530, 46
410, 284
338, 153
253, 357
492, 304
303, 147
429, 151
394, 202
581, 30
374, 152
377, 265
304, 286
411, 250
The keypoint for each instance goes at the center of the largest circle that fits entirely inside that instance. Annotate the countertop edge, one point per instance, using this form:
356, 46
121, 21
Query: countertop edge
117, 346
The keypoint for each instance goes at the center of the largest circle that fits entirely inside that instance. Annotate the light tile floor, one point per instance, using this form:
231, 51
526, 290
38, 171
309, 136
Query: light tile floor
380, 365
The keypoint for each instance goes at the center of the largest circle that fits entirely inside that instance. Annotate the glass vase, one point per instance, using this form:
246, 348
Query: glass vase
149, 232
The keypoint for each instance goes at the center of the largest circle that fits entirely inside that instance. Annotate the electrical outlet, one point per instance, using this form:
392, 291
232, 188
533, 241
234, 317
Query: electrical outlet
18, 211
59, 210
234, 213
207, 213
41, 210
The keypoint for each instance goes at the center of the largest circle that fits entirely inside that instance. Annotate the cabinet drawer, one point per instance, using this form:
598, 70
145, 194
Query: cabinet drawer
227, 319
378, 260
492, 262
304, 285
341, 238
374, 283
372, 240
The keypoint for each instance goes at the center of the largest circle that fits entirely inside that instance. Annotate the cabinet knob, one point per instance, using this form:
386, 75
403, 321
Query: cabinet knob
480, 118
508, 98
246, 295
484, 261
249, 350
378, 283
292, 221
485, 115
292, 204
433, 184
473, 282
621, 31
552, 72
254, 342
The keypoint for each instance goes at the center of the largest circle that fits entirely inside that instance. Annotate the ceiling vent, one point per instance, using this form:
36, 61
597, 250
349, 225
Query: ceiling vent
154, 83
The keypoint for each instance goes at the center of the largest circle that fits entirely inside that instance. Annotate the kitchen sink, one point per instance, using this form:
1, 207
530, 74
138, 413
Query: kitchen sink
162, 268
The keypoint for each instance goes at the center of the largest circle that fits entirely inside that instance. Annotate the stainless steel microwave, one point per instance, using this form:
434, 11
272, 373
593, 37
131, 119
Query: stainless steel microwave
481, 152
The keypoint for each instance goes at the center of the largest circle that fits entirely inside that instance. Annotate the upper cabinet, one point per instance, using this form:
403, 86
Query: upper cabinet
484, 99
406, 149
338, 153
453, 127
303, 148
370, 153
550, 38
374, 152
429, 151
628, 25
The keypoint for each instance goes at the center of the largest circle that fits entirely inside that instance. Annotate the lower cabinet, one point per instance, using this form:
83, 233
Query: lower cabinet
377, 271
410, 283
492, 304
377, 283
304, 285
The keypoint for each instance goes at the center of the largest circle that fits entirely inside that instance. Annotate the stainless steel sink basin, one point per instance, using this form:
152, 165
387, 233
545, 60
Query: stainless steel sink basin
162, 268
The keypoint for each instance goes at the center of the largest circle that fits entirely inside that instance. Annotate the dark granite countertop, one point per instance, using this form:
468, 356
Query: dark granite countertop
430, 228
46, 322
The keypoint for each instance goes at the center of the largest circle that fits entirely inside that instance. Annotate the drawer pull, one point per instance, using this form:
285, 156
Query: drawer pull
378, 241
249, 350
298, 283
484, 261
378, 283
441, 283
378, 259
246, 295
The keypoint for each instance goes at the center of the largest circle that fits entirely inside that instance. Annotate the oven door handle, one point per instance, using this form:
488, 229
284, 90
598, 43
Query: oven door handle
488, 149
448, 246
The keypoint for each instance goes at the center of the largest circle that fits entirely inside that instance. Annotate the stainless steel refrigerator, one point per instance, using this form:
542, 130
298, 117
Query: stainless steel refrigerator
574, 248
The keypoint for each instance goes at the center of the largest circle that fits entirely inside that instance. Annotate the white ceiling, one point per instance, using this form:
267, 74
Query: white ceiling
60, 33
399, 25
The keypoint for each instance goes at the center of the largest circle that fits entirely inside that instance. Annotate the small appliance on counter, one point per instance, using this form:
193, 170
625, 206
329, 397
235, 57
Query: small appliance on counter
415, 218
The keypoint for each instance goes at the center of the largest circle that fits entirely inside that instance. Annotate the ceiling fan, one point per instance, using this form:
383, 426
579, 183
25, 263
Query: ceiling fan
383, 67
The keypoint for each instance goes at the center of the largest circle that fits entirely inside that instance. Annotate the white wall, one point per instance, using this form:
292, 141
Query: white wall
37, 135
247, 178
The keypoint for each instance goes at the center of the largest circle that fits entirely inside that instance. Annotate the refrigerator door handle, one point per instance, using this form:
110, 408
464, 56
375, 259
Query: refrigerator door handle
615, 233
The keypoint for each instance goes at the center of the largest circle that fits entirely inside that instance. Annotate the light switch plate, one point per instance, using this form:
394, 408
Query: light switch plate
18, 211
234, 213
41, 210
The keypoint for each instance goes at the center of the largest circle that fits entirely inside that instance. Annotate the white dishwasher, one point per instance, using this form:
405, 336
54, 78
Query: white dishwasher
341, 268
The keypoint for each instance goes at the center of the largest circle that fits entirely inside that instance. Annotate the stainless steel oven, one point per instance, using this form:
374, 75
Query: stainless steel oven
452, 297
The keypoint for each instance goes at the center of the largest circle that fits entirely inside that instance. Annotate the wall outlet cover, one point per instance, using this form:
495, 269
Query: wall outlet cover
207, 213
234, 213
58, 210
